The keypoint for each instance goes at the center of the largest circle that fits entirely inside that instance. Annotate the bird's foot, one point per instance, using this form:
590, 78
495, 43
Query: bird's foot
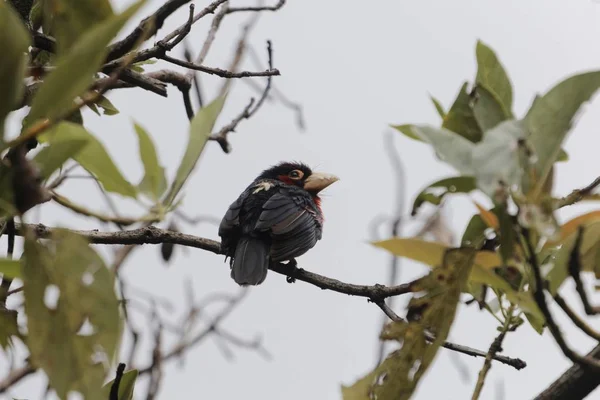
293, 270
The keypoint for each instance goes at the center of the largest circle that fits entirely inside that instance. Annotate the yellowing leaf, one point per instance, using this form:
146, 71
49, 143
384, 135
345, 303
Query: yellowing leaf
570, 227
10, 268
73, 314
200, 129
8, 327
14, 42
93, 157
432, 253
398, 376
75, 70
488, 217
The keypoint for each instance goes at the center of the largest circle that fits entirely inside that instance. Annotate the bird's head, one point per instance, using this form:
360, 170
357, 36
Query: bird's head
299, 174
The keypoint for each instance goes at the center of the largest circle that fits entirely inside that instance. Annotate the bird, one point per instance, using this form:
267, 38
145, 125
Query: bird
276, 218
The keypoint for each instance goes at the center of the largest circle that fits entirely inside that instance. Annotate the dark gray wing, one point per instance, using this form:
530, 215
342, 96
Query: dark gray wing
292, 224
229, 228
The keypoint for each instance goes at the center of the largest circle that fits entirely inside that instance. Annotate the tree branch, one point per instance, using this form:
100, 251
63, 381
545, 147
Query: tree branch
578, 194
516, 363
15, 376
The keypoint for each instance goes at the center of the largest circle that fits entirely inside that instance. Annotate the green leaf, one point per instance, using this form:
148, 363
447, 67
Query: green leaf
10, 268
73, 18
398, 376
137, 67
154, 182
51, 158
496, 158
507, 233
75, 70
438, 107
449, 146
200, 130
492, 76
458, 184
126, 386
14, 42
107, 106
461, 119
475, 231
93, 157
407, 130
487, 110
550, 117
8, 327
80, 331
562, 156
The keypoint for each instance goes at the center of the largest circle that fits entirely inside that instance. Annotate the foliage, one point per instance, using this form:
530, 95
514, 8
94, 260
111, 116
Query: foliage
511, 161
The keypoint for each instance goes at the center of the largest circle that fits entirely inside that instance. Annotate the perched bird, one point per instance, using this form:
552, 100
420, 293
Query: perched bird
277, 218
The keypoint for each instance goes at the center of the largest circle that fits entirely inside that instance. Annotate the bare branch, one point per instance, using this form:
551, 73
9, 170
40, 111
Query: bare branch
516, 363
276, 7
578, 194
218, 71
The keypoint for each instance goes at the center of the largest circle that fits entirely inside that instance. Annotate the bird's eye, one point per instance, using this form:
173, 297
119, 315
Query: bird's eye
296, 174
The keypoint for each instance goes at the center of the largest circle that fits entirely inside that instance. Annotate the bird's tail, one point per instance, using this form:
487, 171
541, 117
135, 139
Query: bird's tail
251, 261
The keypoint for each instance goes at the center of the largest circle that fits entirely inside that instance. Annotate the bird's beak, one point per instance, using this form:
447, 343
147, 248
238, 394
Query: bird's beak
318, 181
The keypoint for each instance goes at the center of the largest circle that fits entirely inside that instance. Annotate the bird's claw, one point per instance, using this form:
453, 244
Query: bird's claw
294, 270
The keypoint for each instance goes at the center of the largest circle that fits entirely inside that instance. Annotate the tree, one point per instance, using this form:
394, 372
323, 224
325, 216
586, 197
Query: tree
60, 57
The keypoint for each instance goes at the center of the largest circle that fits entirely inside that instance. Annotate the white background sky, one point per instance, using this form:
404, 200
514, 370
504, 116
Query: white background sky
355, 67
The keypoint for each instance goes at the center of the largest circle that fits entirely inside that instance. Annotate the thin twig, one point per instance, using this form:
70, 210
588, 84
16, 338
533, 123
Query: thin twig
276, 7
578, 321
540, 299
495, 347
516, 363
6, 281
114, 389
218, 71
578, 194
575, 272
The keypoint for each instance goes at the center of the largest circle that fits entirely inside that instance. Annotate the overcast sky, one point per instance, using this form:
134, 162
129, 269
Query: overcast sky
355, 67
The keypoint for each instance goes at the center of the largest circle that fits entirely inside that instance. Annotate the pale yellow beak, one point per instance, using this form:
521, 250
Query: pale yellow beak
318, 181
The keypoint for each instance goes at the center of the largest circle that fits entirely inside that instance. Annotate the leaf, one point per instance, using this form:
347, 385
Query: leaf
449, 146
549, 119
492, 76
14, 42
589, 255
107, 106
431, 254
458, 184
200, 129
507, 233
10, 268
461, 119
438, 107
154, 182
495, 160
487, 110
8, 327
93, 157
74, 71
407, 130
51, 158
488, 217
398, 376
474, 232
570, 227
126, 386
72, 18
80, 331
562, 156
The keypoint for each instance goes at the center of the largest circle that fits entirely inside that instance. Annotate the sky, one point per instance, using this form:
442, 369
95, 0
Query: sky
355, 67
